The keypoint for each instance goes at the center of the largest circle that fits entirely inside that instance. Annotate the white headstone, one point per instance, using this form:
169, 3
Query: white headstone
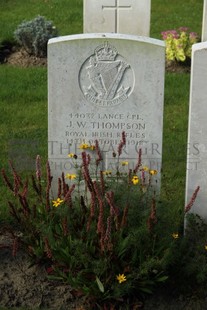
99, 86
197, 131
117, 16
204, 23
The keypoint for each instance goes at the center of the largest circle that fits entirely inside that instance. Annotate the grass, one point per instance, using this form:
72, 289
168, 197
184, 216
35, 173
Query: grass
175, 138
66, 15
23, 103
68, 18
23, 118
168, 15
23, 92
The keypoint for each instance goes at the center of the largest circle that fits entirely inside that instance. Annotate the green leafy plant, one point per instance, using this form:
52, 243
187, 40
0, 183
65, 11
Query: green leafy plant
33, 35
186, 257
106, 242
179, 44
99, 238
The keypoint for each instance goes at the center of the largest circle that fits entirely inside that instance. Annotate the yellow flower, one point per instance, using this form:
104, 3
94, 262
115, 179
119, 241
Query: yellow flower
153, 172
72, 155
175, 235
135, 180
145, 168
92, 147
70, 176
84, 146
205, 247
121, 278
107, 172
124, 163
57, 202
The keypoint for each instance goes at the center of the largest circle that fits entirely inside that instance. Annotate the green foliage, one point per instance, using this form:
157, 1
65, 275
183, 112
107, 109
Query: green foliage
101, 240
108, 244
34, 35
186, 257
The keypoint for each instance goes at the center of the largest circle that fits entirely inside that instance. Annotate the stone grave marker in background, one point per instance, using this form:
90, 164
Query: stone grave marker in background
99, 86
204, 23
117, 16
197, 131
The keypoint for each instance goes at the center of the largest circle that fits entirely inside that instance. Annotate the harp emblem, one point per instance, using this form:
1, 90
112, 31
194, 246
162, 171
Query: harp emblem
101, 77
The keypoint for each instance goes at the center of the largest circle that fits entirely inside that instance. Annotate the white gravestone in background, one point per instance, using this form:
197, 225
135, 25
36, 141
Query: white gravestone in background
197, 131
117, 16
99, 86
204, 23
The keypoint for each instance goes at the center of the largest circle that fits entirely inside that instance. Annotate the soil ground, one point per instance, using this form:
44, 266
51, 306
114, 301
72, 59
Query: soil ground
26, 286
23, 286
23, 59
12, 55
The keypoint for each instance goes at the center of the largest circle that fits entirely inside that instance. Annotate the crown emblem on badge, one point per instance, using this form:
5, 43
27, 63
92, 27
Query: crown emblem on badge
105, 52
105, 76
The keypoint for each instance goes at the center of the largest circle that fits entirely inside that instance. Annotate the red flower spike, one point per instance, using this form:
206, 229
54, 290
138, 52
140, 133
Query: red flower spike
47, 248
139, 162
152, 220
192, 200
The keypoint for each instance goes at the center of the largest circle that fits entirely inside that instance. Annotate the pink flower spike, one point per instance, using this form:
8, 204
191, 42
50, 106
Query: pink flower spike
192, 200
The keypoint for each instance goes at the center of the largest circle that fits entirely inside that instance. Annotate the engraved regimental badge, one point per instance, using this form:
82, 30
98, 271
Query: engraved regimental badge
105, 78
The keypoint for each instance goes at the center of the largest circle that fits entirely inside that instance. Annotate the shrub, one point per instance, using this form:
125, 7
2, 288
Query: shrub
103, 233
186, 258
33, 35
94, 235
179, 44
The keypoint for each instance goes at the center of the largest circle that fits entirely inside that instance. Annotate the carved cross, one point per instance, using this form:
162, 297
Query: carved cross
116, 9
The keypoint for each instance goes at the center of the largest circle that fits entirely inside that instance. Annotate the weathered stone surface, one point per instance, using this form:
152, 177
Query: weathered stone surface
118, 16
197, 132
204, 23
99, 86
